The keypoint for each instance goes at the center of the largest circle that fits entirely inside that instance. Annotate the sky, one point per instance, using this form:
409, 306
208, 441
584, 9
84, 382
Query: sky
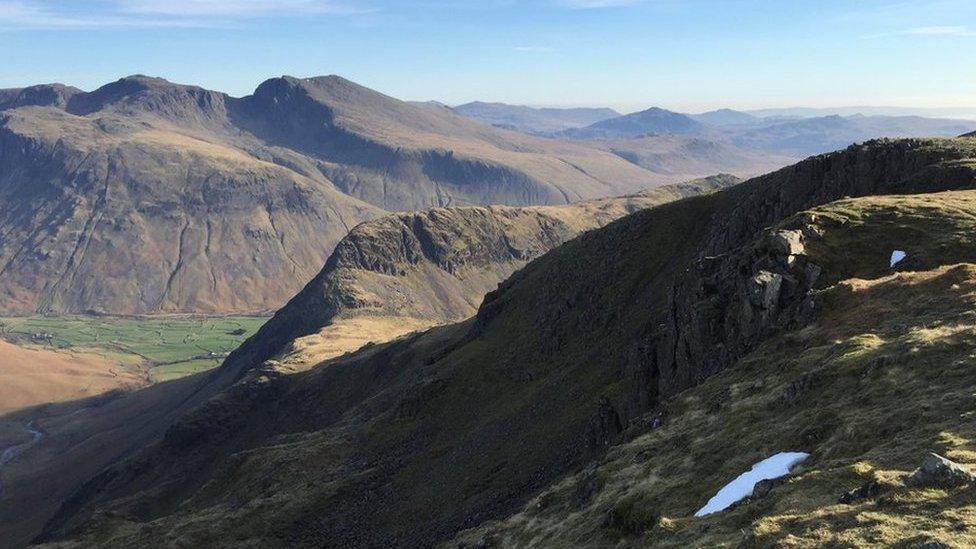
689, 55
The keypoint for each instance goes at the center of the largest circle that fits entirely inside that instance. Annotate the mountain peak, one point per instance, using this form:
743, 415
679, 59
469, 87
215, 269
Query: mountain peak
146, 93
41, 95
654, 120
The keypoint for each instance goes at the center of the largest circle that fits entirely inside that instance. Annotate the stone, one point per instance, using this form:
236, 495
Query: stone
763, 487
939, 471
764, 289
788, 243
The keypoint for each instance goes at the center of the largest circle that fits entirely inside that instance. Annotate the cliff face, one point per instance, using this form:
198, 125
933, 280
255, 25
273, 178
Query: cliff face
409, 442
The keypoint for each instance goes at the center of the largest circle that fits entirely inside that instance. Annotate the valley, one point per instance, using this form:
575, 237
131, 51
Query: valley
312, 315
162, 348
581, 406
553, 274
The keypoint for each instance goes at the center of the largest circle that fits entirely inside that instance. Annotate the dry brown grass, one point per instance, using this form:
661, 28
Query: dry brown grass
344, 336
31, 376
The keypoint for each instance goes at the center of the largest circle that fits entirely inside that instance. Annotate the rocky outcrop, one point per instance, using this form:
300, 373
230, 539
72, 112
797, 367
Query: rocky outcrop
738, 292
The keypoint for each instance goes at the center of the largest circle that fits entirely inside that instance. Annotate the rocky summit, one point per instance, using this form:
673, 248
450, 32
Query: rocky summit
609, 388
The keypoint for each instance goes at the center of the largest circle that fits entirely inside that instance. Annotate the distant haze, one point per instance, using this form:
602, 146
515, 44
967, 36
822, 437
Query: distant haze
628, 55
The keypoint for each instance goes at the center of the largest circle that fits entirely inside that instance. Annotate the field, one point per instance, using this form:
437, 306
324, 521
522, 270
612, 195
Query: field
168, 347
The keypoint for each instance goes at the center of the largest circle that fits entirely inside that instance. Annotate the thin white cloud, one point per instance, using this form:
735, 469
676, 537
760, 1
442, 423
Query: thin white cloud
533, 49
941, 31
236, 8
597, 4
55, 15
936, 31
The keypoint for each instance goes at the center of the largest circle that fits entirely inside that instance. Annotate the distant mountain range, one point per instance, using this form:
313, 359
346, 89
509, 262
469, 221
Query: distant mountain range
540, 121
146, 196
965, 113
786, 136
790, 132
639, 124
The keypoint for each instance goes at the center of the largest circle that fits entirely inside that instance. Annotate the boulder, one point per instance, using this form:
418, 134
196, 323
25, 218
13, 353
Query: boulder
939, 471
788, 243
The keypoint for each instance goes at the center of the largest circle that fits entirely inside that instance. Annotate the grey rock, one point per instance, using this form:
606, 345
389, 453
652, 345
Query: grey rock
788, 243
764, 289
763, 487
939, 471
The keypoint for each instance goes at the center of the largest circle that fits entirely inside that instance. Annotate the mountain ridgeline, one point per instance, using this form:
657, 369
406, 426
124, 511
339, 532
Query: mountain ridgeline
538, 121
411, 442
787, 136
145, 196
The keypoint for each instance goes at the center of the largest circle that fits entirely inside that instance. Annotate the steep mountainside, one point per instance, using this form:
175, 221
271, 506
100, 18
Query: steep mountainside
539, 121
145, 196
121, 213
402, 156
409, 442
401, 273
379, 283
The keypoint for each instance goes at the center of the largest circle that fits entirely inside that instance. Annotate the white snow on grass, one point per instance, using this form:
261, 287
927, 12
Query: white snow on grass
897, 256
776, 466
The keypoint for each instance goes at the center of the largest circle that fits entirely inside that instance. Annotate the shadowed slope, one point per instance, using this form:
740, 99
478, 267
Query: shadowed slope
462, 251
409, 442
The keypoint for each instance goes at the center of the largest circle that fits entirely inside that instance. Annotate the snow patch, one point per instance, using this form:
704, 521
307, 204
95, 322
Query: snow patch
897, 256
776, 466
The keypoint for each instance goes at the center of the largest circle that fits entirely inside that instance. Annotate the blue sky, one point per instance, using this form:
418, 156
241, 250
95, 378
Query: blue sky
629, 54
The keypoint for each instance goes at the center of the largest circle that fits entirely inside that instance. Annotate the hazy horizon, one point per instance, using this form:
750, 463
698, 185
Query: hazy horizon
691, 56
968, 112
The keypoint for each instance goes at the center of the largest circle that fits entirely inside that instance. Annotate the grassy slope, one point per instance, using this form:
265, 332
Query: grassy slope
884, 374
30, 376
